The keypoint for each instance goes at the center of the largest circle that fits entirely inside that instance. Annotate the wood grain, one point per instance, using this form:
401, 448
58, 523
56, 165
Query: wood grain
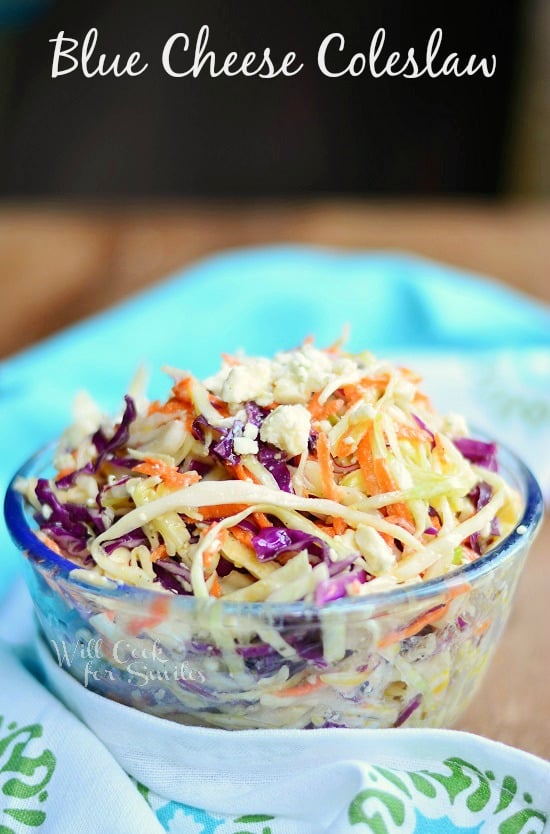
59, 263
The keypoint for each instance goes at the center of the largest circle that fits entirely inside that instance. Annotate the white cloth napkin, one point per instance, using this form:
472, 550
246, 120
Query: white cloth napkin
72, 761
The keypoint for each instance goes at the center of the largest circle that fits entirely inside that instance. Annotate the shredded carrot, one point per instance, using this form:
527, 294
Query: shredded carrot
216, 588
411, 376
439, 450
326, 528
354, 588
154, 407
356, 391
400, 521
353, 393
482, 628
344, 447
314, 407
471, 554
423, 400
383, 475
230, 360
169, 475
424, 619
158, 553
243, 536
179, 401
188, 421
417, 625
242, 473
339, 525
321, 411
171, 406
325, 463
219, 405
413, 433
366, 461
49, 542
452, 593
261, 520
300, 689
182, 390
327, 477
210, 552
334, 347
158, 611
64, 472
220, 511
386, 483
390, 541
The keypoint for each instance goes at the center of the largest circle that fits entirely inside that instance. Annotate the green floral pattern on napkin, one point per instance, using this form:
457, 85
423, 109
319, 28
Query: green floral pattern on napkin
456, 798
26, 768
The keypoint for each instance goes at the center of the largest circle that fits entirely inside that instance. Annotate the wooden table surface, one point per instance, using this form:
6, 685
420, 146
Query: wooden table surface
60, 263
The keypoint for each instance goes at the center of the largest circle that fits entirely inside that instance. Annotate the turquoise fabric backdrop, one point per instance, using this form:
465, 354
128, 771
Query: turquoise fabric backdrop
260, 300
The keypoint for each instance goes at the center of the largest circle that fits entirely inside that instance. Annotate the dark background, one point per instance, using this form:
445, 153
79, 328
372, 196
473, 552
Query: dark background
156, 136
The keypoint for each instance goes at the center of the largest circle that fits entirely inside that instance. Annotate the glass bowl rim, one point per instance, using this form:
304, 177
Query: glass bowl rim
516, 541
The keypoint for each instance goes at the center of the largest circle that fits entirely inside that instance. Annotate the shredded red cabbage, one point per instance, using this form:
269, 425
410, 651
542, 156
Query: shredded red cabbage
255, 414
432, 512
70, 520
255, 650
170, 575
126, 463
198, 427
423, 426
133, 539
71, 517
273, 541
76, 546
461, 623
308, 645
274, 462
334, 568
107, 447
200, 466
480, 496
478, 452
100, 495
335, 588
312, 441
68, 480
224, 567
223, 448
261, 658
248, 525
408, 711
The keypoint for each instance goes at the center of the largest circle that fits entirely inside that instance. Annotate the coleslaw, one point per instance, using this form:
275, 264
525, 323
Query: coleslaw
311, 478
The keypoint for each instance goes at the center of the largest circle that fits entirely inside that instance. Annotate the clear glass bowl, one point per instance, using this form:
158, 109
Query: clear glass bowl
414, 655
